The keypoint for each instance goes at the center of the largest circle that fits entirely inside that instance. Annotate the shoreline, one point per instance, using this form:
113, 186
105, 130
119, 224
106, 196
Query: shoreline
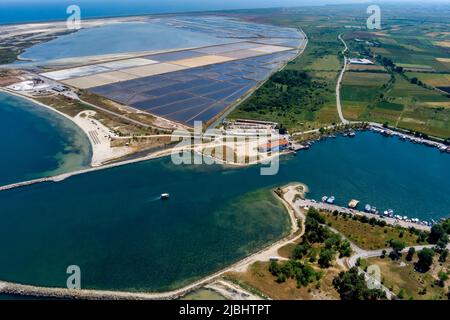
265, 251
100, 152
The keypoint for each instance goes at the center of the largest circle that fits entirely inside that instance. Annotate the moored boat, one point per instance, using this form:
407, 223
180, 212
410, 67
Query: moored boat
331, 200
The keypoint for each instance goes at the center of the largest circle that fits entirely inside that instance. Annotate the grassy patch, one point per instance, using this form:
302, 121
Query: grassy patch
259, 277
328, 62
401, 276
431, 79
389, 106
367, 236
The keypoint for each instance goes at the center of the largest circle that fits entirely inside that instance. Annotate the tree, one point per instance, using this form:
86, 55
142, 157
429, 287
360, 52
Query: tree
397, 247
314, 214
442, 278
446, 223
301, 250
437, 234
410, 254
333, 241
421, 237
345, 250
443, 256
326, 256
352, 286
425, 260
274, 268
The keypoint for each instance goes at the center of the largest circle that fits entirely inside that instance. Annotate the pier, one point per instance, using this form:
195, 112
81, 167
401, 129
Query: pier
331, 207
27, 183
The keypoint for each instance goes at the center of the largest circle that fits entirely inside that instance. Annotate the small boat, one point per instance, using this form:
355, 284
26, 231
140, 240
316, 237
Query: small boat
352, 134
368, 208
165, 196
353, 204
324, 198
331, 200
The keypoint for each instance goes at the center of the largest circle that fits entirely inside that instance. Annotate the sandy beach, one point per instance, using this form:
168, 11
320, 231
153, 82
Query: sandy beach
99, 135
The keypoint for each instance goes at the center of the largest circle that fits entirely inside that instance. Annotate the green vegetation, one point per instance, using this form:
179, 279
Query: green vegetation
403, 279
8, 55
439, 235
397, 247
352, 286
300, 105
416, 66
289, 97
303, 273
409, 46
372, 234
425, 260
319, 241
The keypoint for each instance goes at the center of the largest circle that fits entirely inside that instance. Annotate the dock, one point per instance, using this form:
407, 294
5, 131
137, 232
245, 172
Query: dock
306, 203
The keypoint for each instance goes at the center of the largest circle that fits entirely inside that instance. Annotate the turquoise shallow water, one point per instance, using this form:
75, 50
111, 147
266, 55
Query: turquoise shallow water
37, 142
112, 224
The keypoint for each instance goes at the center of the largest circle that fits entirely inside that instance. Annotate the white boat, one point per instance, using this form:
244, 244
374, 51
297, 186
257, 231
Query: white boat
331, 200
324, 198
368, 208
165, 196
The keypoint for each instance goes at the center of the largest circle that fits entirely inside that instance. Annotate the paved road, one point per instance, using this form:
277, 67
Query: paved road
332, 207
339, 83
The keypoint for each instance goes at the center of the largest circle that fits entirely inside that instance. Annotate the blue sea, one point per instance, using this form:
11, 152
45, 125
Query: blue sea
112, 224
37, 142
21, 11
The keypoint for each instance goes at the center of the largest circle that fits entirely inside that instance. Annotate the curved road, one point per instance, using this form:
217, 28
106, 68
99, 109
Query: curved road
339, 83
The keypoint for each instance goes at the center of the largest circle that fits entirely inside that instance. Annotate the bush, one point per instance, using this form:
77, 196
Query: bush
410, 254
326, 256
352, 286
425, 260
443, 256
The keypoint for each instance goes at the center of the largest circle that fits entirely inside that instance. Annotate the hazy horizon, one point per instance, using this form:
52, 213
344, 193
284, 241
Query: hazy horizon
21, 11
